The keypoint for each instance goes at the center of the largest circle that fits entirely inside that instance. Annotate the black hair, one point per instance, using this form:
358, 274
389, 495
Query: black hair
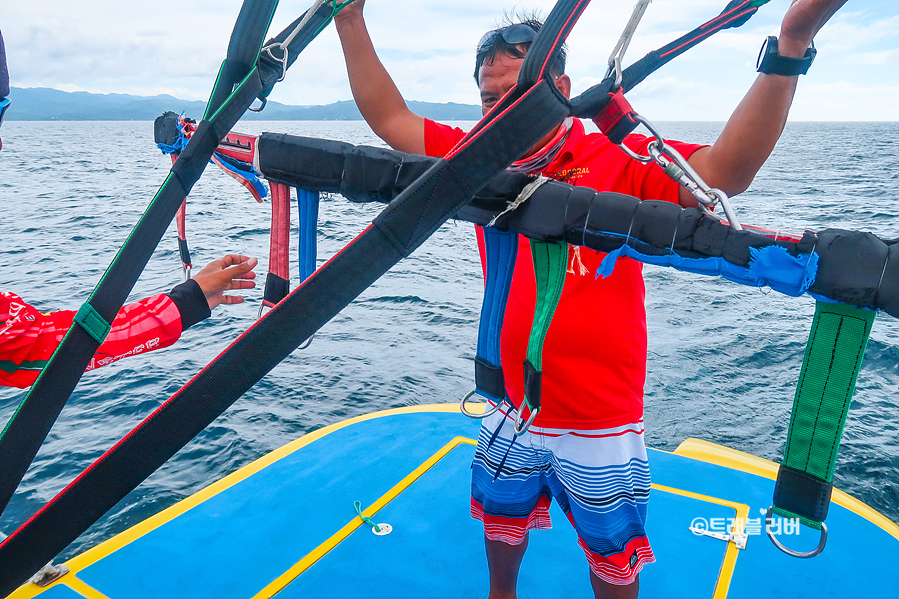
496, 45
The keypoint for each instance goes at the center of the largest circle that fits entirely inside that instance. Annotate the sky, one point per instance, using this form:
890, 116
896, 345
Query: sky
176, 47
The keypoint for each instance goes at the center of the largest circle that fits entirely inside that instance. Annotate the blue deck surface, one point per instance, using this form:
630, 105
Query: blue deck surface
859, 559
237, 542
440, 552
240, 540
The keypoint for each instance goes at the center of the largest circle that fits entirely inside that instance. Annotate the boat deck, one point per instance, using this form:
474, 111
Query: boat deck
285, 525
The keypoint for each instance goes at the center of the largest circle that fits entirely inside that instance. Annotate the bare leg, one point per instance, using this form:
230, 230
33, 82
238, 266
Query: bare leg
503, 562
605, 590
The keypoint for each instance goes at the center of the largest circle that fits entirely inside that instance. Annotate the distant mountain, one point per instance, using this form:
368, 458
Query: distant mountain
43, 104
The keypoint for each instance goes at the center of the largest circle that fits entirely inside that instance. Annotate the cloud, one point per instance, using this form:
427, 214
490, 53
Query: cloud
176, 47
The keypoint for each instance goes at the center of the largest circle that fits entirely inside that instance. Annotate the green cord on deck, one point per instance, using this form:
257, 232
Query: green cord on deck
366, 519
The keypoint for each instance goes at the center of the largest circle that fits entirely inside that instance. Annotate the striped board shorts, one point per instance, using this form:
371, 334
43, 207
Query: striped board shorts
600, 479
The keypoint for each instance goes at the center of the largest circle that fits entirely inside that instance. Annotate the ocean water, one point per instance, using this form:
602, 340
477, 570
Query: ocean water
723, 359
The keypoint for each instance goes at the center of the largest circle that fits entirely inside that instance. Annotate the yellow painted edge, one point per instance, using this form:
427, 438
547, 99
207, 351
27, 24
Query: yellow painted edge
713, 453
726, 573
28, 590
277, 585
95, 554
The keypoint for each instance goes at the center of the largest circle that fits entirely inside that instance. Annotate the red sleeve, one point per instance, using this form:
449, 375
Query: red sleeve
28, 337
650, 182
440, 139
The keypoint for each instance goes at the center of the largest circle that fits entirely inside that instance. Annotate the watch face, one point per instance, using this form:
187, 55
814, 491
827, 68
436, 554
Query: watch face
769, 46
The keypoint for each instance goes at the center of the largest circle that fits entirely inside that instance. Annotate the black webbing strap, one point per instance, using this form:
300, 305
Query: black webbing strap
592, 101
396, 232
29, 425
243, 50
735, 14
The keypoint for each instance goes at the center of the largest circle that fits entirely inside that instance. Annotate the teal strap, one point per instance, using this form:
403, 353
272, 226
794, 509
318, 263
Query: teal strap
366, 519
91, 321
550, 267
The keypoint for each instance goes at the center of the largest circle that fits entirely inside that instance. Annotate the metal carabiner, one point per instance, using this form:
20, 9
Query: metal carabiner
520, 431
615, 67
823, 541
186, 272
281, 61
486, 413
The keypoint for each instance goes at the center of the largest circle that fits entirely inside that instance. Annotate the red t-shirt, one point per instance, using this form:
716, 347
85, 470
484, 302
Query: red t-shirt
594, 354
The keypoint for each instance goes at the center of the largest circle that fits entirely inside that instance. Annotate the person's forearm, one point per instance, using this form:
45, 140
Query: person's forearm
751, 132
376, 95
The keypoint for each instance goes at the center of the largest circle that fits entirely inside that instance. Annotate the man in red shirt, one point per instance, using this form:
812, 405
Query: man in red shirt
29, 337
585, 449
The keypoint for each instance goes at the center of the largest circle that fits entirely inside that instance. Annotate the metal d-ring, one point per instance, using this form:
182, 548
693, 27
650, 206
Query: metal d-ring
520, 431
261, 106
789, 551
486, 413
303, 345
307, 342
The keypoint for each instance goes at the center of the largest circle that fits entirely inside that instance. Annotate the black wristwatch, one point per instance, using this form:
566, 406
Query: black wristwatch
771, 62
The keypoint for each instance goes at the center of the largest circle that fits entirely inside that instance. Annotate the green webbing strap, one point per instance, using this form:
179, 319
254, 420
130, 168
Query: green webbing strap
550, 267
91, 321
832, 361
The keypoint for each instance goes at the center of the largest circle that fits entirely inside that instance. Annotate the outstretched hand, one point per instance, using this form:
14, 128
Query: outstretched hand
231, 272
803, 20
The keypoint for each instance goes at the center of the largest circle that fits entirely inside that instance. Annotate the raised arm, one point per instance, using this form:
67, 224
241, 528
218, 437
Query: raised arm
380, 102
755, 126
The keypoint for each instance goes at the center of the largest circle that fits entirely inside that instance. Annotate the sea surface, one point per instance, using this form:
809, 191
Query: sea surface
723, 358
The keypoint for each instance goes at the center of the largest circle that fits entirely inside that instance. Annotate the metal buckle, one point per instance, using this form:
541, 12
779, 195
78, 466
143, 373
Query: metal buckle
49, 574
788, 551
279, 61
520, 431
486, 413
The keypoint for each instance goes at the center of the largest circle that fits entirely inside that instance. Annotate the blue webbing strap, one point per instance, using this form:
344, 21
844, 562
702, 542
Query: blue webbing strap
307, 203
501, 250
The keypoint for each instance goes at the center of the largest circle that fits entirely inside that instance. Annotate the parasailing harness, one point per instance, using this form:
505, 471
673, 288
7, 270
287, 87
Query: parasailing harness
527, 113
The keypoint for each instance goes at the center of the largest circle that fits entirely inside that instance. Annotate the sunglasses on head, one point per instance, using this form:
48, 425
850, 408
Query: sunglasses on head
4, 104
511, 34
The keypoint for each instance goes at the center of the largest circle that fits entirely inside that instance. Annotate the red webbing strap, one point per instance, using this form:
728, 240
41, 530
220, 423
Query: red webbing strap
181, 216
617, 119
181, 220
277, 283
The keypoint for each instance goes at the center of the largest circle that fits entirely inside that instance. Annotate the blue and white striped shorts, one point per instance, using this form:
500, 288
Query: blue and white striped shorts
600, 479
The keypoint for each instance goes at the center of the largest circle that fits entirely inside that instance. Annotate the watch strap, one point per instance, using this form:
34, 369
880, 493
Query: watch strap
772, 63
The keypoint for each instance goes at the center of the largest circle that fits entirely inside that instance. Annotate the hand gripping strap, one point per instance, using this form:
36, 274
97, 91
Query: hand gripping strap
550, 267
830, 369
501, 250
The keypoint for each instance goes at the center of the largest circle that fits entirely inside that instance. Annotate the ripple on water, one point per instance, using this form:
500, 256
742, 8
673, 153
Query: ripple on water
723, 359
